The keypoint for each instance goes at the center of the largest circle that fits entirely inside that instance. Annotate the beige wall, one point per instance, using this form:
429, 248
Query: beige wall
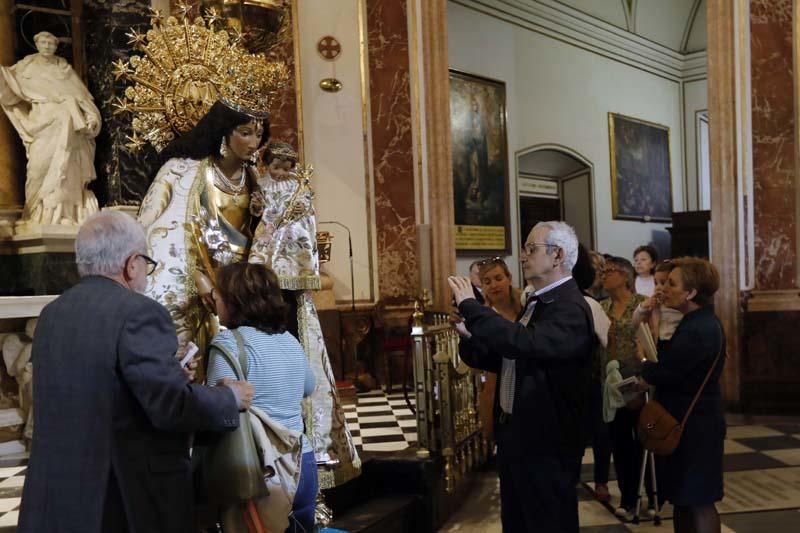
334, 136
695, 98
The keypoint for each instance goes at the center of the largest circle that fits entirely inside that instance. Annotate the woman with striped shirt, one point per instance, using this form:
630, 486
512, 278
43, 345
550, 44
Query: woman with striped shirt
248, 299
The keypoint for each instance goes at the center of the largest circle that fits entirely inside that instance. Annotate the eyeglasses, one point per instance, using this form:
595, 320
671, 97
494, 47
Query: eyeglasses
607, 271
530, 247
152, 264
497, 260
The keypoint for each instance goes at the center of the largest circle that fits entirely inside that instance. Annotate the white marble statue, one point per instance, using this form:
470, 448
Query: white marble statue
57, 119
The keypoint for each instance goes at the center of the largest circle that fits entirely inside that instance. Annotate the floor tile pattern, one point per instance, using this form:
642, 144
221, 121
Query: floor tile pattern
381, 422
762, 476
762, 489
12, 477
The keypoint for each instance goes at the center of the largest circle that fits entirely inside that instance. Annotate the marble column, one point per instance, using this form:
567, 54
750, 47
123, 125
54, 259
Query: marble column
770, 363
392, 149
433, 15
12, 165
724, 178
772, 83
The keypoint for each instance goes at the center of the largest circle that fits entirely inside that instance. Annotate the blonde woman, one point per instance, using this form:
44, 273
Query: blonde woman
504, 298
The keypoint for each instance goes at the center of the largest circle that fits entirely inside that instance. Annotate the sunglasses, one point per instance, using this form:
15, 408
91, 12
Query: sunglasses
497, 260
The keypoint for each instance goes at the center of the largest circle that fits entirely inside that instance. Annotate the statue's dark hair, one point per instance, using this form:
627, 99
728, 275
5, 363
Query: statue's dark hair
204, 139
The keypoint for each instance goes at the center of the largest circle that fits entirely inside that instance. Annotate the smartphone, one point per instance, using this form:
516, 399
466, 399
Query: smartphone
191, 349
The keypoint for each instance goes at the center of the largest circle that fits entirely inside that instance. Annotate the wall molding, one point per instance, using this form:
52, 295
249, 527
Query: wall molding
571, 26
777, 300
23, 306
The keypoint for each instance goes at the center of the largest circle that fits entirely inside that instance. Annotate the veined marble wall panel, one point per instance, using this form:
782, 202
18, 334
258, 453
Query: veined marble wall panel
392, 148
773, 143
283, 115
122, 177
334, 136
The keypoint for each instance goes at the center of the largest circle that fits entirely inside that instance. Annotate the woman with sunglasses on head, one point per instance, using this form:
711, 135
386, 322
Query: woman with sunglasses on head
618, 282
504, 298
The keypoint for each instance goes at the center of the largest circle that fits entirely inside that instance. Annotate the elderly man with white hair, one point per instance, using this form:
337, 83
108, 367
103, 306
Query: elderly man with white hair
544, 364
114, 408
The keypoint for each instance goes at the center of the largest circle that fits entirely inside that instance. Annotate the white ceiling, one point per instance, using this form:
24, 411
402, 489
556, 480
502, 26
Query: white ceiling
677, 24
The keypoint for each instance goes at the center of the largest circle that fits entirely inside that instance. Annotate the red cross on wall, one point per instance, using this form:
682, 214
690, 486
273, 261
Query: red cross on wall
329, 48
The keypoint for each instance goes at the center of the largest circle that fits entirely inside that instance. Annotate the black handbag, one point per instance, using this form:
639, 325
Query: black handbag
232, 470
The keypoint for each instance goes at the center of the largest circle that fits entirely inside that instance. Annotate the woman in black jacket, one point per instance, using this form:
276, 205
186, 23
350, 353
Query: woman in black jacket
692, 477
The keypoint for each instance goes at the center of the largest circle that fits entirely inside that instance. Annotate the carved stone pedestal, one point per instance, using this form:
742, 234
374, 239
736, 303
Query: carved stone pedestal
38, 260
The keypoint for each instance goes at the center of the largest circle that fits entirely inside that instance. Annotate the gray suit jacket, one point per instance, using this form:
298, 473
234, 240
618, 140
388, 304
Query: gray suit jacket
113, 412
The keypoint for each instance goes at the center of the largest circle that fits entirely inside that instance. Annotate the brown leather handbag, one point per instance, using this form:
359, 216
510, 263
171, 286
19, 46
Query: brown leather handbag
659, 432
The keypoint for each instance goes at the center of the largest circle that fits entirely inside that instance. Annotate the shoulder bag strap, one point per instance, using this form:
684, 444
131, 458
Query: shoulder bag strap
708, 375
239, 363
243, 365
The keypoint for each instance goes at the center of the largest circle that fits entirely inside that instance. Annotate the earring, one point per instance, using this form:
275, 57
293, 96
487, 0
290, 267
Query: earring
254, 158
223, 148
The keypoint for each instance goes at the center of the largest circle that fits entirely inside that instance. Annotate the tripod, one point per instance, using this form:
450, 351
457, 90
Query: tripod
647, 458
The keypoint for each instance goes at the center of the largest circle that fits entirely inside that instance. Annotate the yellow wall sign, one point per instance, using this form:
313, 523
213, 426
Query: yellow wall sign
480, 237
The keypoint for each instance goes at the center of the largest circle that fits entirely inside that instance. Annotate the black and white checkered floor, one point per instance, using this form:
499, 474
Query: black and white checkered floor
762, 488
381, 422
12, 477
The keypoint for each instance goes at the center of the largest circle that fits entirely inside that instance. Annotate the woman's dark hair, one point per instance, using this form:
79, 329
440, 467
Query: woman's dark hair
252, 297
583, 271
204, 139
649, 250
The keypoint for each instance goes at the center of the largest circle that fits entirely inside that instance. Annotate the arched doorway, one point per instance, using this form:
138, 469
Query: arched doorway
556, 182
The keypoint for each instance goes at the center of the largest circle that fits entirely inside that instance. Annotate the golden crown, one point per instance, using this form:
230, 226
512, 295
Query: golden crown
185, 68
282, 150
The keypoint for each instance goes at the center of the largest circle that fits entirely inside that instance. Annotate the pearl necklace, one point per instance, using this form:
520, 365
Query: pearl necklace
234, 188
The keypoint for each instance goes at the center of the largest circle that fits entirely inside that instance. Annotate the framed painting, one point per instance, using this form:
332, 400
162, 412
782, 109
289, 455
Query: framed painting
641, 173
480, 164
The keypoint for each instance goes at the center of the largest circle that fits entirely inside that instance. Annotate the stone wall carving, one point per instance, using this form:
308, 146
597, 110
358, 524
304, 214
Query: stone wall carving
16, 389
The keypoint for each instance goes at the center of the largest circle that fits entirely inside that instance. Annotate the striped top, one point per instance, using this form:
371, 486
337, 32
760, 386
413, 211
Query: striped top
278, 370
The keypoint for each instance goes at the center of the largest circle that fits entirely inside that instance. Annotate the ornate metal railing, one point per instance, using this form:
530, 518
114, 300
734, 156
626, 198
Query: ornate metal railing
446, 392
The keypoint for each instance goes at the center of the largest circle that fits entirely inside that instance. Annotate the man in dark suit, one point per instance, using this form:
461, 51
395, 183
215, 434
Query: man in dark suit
544, 363
113, 407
